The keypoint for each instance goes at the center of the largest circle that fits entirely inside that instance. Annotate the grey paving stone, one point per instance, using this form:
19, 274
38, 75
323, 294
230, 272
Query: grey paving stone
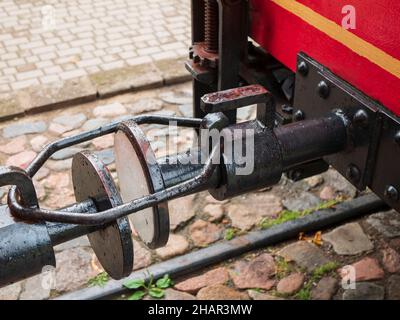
186, 110
73, 121
92, 124
349, 239
66, 153
11, 292
305, 254
365, 291
176, 97
304, 201
387, 223
106, 156
34, 289
18, 129
393, 287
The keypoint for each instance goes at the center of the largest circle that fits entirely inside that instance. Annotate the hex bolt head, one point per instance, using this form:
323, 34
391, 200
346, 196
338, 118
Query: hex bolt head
302, 67
298, 115
360, 118
288, 109
323, 90
397, 137
391, 193
353, 173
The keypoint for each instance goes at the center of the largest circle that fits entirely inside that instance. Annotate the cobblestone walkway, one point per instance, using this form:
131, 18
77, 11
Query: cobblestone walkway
44, 42
310, 268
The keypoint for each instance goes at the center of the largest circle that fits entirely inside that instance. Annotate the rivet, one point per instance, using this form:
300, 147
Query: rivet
360, 118
397, 137
323, 90
353, 173
298, 115
303, 68
391, 193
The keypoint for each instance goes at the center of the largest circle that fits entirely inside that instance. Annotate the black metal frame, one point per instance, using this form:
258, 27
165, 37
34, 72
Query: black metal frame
373, 156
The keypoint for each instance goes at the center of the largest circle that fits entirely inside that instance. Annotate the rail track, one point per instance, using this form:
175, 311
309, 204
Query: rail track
203, 258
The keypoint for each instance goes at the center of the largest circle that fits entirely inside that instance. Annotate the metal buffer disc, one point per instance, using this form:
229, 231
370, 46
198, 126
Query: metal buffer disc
139, 175
113, 245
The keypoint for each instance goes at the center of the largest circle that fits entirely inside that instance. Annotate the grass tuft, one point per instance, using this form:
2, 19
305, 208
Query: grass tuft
100, 280
288, 215
317, 274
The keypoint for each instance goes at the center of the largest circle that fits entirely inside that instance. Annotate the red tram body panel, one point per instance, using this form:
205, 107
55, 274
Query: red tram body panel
367, 57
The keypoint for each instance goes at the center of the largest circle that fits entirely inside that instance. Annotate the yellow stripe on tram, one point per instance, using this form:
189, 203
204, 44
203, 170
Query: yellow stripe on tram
345, 37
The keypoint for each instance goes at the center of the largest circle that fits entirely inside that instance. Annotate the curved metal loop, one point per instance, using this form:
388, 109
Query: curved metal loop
110, 215
57, 145
107, 216
22, 181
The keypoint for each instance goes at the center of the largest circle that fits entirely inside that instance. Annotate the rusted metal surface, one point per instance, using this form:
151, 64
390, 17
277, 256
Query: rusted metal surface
200, 55
234, 98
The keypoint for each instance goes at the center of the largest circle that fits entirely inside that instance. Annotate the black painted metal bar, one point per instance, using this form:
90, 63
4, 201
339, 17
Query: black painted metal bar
311, 139
62, 232
219, 252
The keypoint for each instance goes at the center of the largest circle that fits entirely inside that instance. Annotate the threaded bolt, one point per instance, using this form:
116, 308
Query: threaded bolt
211, 25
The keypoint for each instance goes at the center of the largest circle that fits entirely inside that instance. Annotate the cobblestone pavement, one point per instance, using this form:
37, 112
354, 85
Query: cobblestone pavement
310, 268
46, 41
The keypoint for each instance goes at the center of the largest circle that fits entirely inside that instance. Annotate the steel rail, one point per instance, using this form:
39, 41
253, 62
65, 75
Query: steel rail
197, 260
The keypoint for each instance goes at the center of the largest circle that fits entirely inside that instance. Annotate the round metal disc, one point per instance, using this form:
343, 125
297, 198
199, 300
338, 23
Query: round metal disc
113, 245
139, 175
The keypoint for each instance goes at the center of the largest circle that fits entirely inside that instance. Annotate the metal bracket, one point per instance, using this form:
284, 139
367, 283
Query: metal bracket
386, 178
319, 92
373, 158
232, 99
